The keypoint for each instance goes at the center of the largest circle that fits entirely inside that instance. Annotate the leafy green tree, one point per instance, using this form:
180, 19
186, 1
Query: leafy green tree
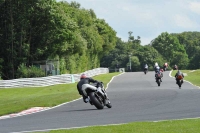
191, 43
29, 72
148, 55
117, 57
107, 34
180, 59
135, 64
168, 46
194, 62
36, 30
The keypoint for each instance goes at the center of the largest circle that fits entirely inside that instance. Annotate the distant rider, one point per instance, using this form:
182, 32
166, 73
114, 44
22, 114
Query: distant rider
179, 76
85, 80
146, 67
175, 67
156, 64
165, 66
156, 67
157, 70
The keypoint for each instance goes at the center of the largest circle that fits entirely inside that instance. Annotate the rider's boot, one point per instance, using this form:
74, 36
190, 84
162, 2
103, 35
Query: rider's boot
85, 99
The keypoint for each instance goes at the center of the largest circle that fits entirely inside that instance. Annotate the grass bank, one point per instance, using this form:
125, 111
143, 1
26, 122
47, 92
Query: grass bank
171, 126
13, 100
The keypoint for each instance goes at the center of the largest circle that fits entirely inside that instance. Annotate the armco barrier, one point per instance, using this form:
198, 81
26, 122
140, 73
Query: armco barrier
50, 80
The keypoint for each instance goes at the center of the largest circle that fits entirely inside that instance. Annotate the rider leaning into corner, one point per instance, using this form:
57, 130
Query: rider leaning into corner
179, 73
85, 80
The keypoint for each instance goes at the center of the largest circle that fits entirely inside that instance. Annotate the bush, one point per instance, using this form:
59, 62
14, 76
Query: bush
29, 72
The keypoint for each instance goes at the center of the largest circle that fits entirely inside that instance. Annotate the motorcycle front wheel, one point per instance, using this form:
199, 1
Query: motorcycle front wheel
158, 82
179, 83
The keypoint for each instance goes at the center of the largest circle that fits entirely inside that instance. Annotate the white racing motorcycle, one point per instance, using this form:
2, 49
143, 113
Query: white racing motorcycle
97, 95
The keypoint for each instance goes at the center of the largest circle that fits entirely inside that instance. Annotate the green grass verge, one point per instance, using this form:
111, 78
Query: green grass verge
192, 76
171, 126
14, 100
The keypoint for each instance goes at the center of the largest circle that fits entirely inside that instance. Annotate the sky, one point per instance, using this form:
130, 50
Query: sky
146, 18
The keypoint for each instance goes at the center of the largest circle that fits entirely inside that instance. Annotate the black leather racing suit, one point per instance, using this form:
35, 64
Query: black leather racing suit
84, 81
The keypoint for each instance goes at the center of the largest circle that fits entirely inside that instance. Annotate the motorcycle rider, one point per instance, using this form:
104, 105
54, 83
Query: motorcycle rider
175, 67
179, 73
146, 67
165, 65
85, 80
157, 70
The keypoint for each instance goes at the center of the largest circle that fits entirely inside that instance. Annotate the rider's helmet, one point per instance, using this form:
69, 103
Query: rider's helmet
175, 66
83, 76
156, 64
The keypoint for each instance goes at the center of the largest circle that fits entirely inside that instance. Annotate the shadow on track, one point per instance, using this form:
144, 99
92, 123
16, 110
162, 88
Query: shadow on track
82, 110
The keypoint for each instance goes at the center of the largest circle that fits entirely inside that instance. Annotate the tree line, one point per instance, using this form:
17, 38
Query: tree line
37, 30
182, 49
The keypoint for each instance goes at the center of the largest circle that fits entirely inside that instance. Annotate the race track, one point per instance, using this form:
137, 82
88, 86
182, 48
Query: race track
134, 96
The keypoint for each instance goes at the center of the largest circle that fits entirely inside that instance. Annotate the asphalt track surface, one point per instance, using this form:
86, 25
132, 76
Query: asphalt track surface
134, 96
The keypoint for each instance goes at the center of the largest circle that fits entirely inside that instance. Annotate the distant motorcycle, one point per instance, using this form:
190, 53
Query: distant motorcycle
97, 97
179, 80
164, 68
145, 70
175, 67
158, 78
